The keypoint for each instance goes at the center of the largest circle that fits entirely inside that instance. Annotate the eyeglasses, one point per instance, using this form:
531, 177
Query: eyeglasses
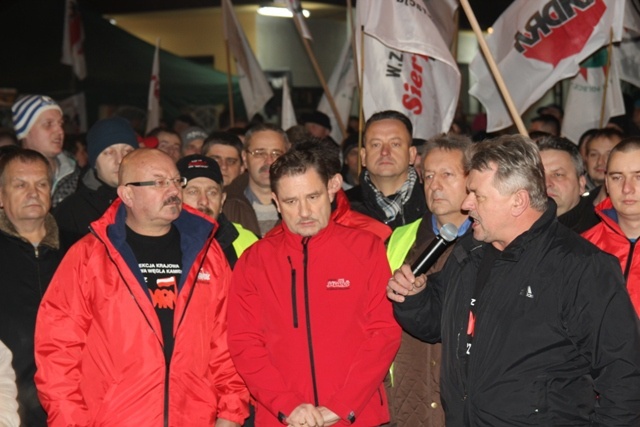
262, 154
161, 183
227, 161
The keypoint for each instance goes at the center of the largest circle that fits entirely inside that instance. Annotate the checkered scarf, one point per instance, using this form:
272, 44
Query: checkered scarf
394, 204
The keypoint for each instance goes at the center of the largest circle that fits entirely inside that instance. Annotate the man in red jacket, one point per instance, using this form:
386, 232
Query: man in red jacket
310, 330
133, 331
619, 230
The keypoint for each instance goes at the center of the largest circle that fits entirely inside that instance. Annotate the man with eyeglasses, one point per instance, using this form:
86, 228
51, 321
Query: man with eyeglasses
226, 149
134, 327
249, 196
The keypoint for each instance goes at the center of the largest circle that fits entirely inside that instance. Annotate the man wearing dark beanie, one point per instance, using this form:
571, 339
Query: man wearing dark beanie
108, 141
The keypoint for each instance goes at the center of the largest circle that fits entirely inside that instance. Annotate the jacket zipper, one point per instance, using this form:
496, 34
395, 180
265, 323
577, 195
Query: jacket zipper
36, 251
294, 296
627, 267
305, 259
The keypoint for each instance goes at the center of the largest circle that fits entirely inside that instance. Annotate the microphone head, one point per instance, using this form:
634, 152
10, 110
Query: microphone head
449, 232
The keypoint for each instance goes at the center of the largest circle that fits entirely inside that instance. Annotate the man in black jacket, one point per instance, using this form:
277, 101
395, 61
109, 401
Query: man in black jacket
389, 189
535, 322
108, 141
29, 256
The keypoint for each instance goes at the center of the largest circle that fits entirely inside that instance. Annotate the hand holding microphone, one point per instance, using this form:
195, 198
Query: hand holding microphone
410, 280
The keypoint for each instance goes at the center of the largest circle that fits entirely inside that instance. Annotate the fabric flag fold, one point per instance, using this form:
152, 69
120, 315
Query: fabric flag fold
407, 65
288, 113
153, 103
73, 40
583, 106
537, 43
627, 56
443, 16
341, 84
254, 87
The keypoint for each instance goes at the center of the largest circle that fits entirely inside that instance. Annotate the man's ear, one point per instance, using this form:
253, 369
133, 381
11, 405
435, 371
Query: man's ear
582, 184
413, 152
521, 201
275, 200
363, 155
334, 185
125, 194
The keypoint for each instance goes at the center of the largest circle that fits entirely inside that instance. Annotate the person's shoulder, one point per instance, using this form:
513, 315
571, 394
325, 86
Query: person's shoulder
354, 194
570, 244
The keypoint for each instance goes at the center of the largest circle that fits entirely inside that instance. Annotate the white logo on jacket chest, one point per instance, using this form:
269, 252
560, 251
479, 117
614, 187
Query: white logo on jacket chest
203, 276
338, 284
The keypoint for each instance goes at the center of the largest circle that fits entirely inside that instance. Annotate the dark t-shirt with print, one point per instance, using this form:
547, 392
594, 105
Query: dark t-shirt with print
160, 261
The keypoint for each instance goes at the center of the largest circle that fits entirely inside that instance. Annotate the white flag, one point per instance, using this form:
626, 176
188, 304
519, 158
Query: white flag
442, 14
254, 86
632, 16
407, 66
342, 84
295, 8
538, 43
288, 113
153, 104
628, 57
583, 107
74, 108
73, 40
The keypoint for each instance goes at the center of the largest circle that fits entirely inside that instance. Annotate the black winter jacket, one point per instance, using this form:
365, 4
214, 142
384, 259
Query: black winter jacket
556, 339
25, 273
79, 210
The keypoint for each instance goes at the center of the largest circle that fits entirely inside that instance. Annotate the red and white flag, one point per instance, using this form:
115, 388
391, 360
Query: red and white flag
296, 9
342, 85
537, 43
153, 104
288, 113
443, 15
407, 65
583, 107
254, 86
73, 40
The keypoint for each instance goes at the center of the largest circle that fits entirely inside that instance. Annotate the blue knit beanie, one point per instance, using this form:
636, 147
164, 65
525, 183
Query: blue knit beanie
26, 111
107, 132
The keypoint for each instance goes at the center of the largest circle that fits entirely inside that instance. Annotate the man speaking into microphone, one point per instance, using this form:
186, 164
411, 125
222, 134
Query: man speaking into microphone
535, 322
413, 388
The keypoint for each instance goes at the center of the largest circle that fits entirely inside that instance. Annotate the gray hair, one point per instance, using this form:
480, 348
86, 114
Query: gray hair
262, 127
563, 144
518, 166
448, 143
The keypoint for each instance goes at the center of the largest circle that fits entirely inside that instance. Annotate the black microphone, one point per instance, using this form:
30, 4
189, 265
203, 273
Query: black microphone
448, 233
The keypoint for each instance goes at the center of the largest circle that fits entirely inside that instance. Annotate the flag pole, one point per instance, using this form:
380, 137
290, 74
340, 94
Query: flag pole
361, 106
454, 43
603, 106
494, 68
320, 76
352, 34
229, 85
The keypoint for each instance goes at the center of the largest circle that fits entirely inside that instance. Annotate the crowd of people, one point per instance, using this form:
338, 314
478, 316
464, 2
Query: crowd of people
257, 276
